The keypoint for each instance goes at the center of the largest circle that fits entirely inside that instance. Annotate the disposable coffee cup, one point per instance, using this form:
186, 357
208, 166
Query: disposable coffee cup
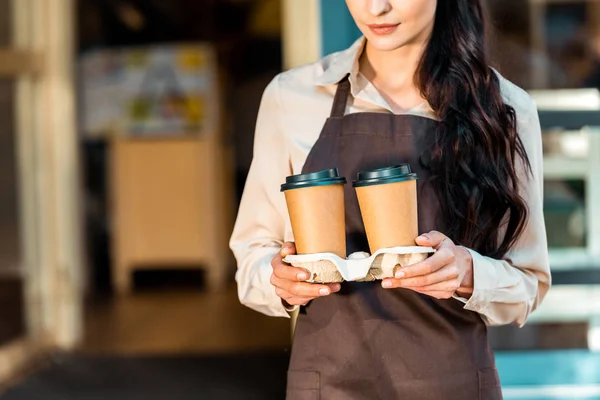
388, 204
315, 203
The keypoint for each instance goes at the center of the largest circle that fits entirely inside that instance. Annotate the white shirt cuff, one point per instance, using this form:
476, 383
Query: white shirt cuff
484, 284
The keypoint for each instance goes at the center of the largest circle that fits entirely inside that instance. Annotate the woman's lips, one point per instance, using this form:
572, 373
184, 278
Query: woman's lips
383, 29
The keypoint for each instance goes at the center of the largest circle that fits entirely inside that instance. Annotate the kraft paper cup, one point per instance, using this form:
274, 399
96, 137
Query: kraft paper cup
388, 204
315, 204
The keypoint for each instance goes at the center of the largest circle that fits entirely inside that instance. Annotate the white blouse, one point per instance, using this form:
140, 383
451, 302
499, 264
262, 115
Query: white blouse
293, 110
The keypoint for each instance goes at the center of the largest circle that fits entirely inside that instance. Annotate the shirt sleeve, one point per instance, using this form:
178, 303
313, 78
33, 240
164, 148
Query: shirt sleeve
507, 291
260, 226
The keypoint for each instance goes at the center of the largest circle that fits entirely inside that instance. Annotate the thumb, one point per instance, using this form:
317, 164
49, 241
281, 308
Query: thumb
287, 249
432, 239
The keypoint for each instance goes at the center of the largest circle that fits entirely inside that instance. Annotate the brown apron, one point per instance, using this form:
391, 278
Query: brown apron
366, 342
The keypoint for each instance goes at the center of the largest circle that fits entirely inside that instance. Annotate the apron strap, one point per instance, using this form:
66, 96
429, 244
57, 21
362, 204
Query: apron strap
341, 98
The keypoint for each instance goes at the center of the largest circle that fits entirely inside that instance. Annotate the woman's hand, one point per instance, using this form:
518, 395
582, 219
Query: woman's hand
289, 281
448, 271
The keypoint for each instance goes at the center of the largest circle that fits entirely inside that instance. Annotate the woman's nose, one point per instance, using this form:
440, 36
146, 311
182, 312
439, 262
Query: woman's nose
379, 7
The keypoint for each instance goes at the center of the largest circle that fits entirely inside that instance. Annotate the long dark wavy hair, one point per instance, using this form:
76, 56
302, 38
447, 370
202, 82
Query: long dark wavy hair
474, 160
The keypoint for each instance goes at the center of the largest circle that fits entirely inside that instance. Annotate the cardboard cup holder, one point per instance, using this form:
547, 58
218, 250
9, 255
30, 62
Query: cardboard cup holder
358, 267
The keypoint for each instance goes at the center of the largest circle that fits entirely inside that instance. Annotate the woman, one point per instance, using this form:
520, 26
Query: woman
418, 89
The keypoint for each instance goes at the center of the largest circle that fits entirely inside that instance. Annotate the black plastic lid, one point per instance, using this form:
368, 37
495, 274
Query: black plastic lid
382, 176
322, 178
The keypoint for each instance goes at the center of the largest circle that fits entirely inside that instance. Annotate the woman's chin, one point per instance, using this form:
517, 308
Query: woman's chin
385, 42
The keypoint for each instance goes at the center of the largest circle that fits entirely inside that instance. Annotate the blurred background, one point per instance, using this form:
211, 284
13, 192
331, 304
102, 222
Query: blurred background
125, 138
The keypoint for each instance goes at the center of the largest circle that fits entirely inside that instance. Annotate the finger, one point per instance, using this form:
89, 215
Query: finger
291, 299
428, 266
287, 249
285, 271
334, 287
439, 289
450, 285
433, 239
449, 273
299, 301
303, 289
438, 295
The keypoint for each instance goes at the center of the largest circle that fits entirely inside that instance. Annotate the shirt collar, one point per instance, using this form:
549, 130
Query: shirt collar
346, 63
341, 64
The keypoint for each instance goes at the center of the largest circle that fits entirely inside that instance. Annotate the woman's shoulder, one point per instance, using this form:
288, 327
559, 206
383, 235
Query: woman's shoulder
528, 124
327, 70
516, 97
